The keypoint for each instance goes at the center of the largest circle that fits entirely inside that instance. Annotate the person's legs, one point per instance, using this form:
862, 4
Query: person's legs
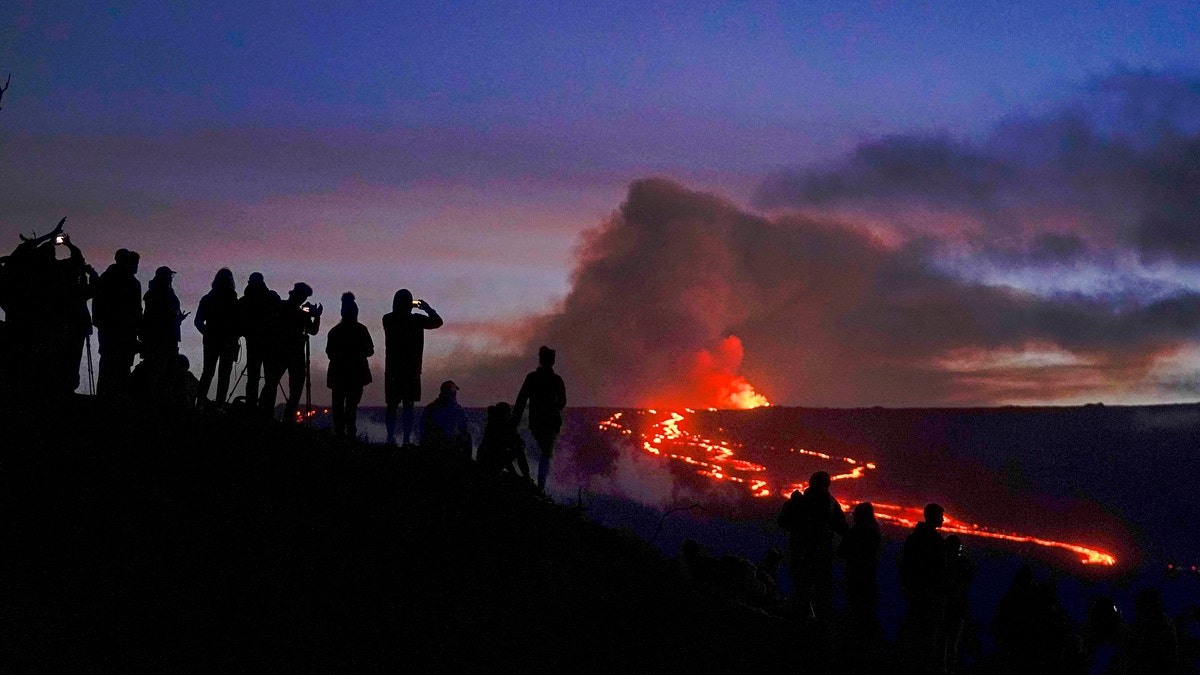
73, 361
389, 420
407, 420
545, 442
295, 386
338, 408
224, 369
254, 366
273, 374
353, 396
211, 354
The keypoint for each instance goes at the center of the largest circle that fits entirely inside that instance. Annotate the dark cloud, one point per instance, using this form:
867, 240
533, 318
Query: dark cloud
1119, 168
827, 315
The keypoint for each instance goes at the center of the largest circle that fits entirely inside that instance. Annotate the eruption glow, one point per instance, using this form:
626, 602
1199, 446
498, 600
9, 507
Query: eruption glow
715, 460
714, 378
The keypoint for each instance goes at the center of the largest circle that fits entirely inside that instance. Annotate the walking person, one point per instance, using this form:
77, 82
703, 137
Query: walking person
348, 345
546, 395
404, 336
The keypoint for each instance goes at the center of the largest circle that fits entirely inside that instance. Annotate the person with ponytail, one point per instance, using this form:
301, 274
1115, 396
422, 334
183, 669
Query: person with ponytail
348, 345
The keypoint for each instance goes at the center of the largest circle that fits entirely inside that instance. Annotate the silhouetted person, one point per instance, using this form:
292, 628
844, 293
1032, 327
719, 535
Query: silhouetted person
860, 548
923, 578
959, 573
501, 445
160, 329
546, 395
444, 425
812, 520
404, 335
117, 314
217, 320
255, 309
287, 333
34, 299
77, 282
1154, 644
348, 345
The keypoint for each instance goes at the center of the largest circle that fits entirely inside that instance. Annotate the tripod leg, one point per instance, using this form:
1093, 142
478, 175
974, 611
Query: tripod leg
229, 396
307, 384
91, 372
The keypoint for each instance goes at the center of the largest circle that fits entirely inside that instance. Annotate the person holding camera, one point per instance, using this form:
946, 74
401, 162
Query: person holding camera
287, 334
404, 334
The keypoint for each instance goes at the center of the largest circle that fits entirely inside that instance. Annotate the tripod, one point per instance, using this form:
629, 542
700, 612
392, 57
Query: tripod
91, 372
246, 367
307, 383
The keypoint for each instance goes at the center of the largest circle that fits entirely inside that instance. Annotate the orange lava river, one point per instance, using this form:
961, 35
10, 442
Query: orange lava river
717, 460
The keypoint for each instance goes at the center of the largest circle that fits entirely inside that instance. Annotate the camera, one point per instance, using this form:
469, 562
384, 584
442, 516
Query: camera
306, 308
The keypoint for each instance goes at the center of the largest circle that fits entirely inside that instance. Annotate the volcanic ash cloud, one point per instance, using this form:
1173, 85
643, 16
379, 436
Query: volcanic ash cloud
825, 312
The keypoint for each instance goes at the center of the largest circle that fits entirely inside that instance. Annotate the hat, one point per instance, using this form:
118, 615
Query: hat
164, 271
448, 387
302, 288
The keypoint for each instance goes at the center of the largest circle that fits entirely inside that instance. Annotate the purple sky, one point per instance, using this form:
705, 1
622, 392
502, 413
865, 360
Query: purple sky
1037, 160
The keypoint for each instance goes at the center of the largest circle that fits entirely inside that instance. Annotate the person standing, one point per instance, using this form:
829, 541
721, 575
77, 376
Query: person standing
216, 319
160, 329
78, 285
117, 314
860, 548
546, 395
255, 308
404, 334
923, 580
287, 333
348, 345
811, 520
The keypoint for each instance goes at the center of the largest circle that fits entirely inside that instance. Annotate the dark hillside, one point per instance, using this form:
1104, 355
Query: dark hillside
133, 541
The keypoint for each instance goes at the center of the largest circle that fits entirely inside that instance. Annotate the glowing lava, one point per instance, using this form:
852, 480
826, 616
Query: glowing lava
715, 460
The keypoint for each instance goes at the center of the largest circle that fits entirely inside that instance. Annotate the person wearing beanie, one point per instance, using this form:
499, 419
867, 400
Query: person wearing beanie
348, 346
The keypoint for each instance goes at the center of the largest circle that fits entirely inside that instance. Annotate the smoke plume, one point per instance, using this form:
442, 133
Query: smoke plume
1055, 260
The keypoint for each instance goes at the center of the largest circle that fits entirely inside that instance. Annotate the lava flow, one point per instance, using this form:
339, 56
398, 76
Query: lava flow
716, 460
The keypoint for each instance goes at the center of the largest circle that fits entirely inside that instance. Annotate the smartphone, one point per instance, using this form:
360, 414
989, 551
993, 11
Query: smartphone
62, 238
417, 303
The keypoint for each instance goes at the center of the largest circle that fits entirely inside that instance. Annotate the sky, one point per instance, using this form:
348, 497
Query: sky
821, 203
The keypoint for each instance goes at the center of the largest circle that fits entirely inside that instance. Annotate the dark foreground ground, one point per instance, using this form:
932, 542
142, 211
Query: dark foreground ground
192, 542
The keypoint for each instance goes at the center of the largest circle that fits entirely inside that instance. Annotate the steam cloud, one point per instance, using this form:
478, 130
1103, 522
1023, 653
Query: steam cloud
1055, 260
